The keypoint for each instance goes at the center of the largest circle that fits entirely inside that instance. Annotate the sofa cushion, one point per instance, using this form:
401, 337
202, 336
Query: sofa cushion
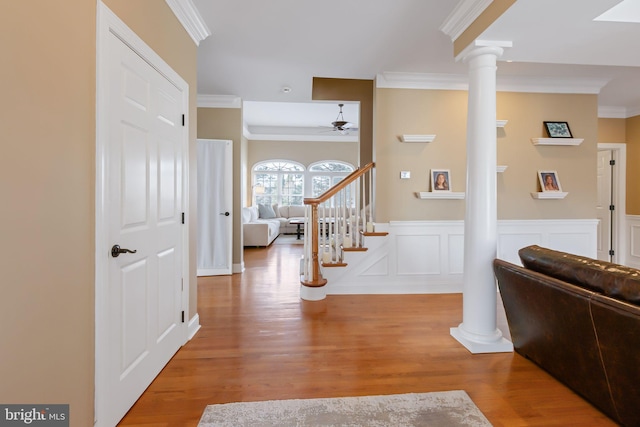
295, 210
246, 215
265, 211
283, 211
610, 279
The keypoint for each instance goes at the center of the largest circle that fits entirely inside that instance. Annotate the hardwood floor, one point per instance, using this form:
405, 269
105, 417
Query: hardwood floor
259, 341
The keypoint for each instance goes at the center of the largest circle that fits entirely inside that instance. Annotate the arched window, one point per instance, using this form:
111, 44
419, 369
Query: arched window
326, 174
278, 181
287, 182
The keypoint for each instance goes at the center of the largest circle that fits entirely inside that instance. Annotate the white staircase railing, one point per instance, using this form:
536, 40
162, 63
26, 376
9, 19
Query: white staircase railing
336, 222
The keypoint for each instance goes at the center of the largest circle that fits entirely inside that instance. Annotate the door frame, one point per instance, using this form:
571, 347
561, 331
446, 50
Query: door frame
619, 194
109, 23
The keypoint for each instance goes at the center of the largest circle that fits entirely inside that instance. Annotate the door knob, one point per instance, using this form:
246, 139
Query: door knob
224, 213
117, 250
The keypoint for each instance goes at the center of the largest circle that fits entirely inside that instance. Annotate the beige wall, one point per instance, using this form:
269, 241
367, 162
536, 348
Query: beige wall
226, 123
305, 152
632, 131
612, 130
47, 182
47, 216
443, 113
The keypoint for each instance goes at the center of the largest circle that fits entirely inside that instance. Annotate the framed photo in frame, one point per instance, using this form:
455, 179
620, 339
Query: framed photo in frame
558, 129
440, 180
549, 181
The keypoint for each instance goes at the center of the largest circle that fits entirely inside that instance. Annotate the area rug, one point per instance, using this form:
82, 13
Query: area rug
439, 409
288, 239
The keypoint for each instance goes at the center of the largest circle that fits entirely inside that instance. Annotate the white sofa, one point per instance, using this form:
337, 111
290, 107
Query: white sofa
258, 231
261, 225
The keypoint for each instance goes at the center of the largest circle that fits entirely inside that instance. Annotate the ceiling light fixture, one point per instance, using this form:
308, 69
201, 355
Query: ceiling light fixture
286, 89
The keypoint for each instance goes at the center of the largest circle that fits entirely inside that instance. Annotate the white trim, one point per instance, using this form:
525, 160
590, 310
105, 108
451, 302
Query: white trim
238, 268
427, 257
619, 154
109, 23
633, 247
463, 15
607, 112
190, 18
431, 81
194, 326
632, 112
219, 101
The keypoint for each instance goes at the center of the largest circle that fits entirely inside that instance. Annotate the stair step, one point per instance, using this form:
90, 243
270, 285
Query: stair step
357, 249
334, 264
374, 233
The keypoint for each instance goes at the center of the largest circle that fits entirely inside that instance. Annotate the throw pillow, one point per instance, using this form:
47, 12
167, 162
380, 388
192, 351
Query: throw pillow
266, 211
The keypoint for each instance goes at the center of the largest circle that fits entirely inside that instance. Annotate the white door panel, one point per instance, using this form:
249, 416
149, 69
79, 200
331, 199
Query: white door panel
144, 140
604, 200
215, 207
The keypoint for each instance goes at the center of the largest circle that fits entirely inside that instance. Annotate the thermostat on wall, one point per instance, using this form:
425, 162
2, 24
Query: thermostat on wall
405, 174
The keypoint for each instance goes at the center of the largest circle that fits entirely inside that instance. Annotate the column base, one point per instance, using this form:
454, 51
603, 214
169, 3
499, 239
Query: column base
312, 293
477, 344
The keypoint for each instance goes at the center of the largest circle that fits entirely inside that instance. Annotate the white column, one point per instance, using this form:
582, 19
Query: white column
478, 331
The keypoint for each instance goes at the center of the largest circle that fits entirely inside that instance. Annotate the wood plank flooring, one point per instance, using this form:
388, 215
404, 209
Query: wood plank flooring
259, 341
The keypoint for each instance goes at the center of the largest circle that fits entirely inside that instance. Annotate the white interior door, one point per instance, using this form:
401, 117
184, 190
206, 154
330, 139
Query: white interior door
139, 309
215, 207
603, 213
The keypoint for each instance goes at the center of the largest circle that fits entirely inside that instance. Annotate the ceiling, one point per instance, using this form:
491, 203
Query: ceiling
258, 48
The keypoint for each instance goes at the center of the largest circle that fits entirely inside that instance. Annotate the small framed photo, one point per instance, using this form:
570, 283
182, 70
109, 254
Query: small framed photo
440, 180
549, 181
558, 129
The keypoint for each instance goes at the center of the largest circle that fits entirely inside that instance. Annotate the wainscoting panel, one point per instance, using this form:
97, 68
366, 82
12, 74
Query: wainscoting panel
633, 252
428, 256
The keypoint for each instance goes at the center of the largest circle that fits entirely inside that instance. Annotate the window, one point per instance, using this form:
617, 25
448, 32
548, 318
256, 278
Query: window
288, 183
326, 174
280, 182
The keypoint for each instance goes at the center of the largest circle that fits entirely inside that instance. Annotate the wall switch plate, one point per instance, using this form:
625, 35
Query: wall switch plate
405, 174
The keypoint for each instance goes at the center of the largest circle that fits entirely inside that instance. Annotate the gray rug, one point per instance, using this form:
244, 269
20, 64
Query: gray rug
288, 239
439, 409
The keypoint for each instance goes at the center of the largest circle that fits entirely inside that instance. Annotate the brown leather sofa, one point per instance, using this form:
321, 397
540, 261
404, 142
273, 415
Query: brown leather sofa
578, 319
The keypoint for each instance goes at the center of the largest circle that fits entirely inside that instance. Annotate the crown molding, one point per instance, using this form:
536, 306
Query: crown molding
393, 80
295, 133
632, 112
462, 16
609, 112
550, 84
190, 18
397, 80
219, 101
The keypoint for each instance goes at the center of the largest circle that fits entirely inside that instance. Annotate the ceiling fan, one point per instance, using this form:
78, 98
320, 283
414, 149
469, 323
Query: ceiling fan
341, 125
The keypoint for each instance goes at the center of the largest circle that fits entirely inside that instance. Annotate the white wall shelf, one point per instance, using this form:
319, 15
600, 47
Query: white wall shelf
557, 141
547, 195
440, 195
501, 168
417, 138
501, 123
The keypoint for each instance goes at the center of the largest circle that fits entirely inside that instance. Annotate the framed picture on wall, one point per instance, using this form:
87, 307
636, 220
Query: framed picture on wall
558, 129
440, 180
549, 181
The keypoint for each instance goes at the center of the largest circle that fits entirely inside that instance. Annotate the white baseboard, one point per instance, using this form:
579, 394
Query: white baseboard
193, 327
238, 268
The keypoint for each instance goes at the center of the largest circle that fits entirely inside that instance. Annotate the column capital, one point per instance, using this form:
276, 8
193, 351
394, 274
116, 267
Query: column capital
483, 47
